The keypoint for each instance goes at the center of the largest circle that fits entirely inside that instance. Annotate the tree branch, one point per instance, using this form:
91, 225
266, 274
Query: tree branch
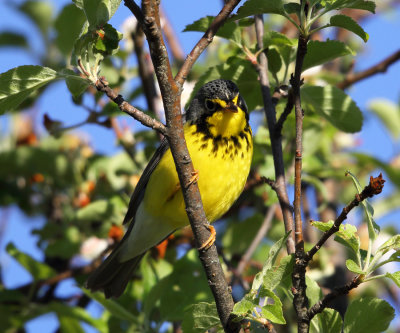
374, 187
381, 67
300, 300
171, 93
207, 38
276, 138
102, 85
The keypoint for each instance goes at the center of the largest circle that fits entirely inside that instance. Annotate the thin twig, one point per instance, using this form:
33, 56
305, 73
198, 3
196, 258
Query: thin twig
276, 140
339, 291
380, 67
205, 40
124, 106
374, 187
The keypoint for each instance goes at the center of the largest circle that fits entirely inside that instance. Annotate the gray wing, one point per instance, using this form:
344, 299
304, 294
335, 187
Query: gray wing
140, 188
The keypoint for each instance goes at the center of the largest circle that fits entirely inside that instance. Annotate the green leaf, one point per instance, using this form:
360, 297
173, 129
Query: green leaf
240, 71
328, 320
334, 105
68, 26
111, 209
273, 312
392, 244
353, 267
40, 12
12, 39
18, 83
254, 7
373, 228
372, 315
347, 234
389, 114
313, 291
75, 313
346, 22
112, 306
99, 12
38, 270
395, 277
75, 83
200, 317
229, 30
107, 42
274, 61
270, 261
186, 285
319, 53
292, 8
275, 275
246, 305
355, 4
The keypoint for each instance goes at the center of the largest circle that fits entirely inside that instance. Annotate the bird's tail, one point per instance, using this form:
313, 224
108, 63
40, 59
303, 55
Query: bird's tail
112, 276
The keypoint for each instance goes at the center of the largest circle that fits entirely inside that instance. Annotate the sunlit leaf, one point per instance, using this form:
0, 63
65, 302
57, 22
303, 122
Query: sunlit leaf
328, 320
346, 22
200, 317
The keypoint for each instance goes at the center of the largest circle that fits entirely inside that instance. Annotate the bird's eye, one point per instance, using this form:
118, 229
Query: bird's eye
210, 105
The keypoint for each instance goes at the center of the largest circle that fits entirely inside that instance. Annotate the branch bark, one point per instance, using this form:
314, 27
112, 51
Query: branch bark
276, 138
171, 89
381, 67
300, 300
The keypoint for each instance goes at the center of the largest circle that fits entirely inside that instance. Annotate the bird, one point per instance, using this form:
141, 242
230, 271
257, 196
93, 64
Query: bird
219, 139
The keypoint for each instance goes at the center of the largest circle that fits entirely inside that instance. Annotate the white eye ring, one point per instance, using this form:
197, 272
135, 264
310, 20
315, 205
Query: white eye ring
210, 105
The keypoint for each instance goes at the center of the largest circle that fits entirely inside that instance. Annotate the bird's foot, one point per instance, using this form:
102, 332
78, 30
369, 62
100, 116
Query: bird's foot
210, 241
194, 178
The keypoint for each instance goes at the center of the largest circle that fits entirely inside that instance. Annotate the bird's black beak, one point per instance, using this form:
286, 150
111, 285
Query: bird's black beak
232, 107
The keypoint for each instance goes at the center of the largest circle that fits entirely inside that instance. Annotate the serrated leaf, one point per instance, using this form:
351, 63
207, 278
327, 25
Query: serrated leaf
12, 39
313, 291
229, 30
389, 114
319, 53
346, 22
372, 315
68, 26
395, 277
18, 83
112, 306
198, 318
391, 244
373, 228
334, 105
273, 312
353, 267
276, 274
254, 7
276, 38
328, 320
38, 270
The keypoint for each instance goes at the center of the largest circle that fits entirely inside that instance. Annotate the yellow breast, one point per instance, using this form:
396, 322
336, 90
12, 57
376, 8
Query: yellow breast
222, 163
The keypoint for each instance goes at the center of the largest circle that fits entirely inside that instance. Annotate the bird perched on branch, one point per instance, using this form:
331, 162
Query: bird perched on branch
219, 139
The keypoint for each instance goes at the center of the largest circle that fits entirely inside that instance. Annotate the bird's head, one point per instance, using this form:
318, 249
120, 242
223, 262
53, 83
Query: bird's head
218, 109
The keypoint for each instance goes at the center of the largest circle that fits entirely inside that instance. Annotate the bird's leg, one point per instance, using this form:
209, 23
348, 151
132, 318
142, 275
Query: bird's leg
210, 241
193, 179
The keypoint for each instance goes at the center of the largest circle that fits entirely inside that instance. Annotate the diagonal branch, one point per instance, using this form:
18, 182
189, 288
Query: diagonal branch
207, 38
381, 67
374, 187
102, 85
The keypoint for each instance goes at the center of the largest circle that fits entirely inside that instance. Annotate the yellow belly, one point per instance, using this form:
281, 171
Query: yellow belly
222, 175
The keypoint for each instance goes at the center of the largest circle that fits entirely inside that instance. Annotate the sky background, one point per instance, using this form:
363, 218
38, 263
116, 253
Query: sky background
384, 39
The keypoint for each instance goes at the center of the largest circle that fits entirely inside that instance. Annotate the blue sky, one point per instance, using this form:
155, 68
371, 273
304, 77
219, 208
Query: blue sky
384, 40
